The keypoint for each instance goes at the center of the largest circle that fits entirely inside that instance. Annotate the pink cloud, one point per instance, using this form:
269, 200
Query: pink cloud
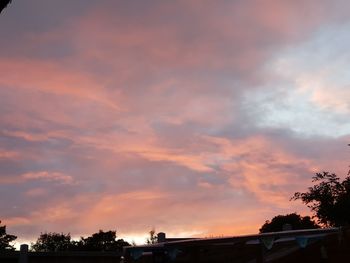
8, 154
144, 123
37, 192
49, 176
57, 80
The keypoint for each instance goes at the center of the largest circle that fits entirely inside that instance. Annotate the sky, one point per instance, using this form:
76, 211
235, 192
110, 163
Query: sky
196, 118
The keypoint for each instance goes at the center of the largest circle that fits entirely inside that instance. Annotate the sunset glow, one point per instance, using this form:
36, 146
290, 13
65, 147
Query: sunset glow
195, 118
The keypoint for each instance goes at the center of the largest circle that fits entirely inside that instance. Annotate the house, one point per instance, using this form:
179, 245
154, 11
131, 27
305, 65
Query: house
311, 245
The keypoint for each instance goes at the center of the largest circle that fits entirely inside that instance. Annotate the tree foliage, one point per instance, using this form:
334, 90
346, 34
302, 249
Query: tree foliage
152, 237
101, 241
329, 199
6, 239
51, 242
4, 3
294, 220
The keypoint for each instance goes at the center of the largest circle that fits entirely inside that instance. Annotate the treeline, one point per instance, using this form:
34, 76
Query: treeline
100, 241
53, 242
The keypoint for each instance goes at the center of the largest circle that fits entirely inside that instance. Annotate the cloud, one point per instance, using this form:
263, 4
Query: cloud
8, 154
48, 176
307, 83
174, 115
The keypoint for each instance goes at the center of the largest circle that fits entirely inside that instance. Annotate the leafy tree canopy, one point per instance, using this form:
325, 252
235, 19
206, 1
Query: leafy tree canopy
329, 199
294, 220
4, 3
50, 242
6, 239
101, 241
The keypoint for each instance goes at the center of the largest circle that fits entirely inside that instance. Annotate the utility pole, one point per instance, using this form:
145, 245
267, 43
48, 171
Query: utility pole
349, 165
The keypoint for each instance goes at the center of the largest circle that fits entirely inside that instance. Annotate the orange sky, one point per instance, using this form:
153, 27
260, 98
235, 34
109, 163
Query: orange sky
192, 117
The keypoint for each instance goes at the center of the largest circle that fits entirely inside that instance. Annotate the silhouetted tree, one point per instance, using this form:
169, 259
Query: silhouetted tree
51, 242
329, 199
101, 241
294, 220
152, 237
4, 3
6, 239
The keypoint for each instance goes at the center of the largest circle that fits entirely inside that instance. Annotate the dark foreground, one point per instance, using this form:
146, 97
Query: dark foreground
311, 246
322, 246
